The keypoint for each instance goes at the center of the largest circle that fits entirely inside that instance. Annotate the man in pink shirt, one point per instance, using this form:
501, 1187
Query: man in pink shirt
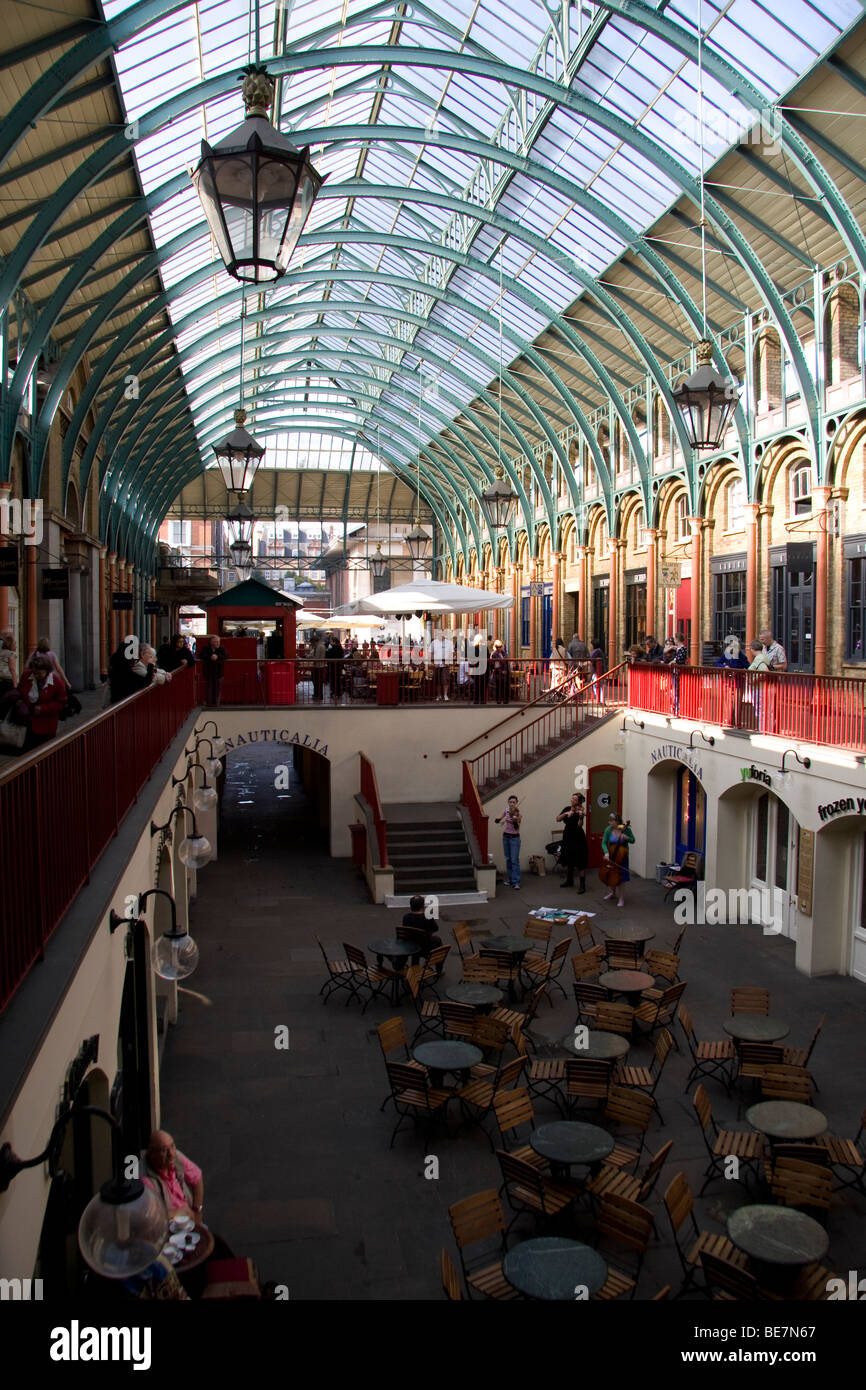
174, 1175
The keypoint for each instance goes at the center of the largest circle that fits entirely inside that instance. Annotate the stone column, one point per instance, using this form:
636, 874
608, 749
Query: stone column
820, 504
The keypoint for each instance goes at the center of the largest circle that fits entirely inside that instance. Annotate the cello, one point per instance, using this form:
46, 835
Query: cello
610, 874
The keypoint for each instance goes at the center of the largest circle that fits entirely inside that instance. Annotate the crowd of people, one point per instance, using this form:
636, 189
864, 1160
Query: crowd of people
764, 653
572, 850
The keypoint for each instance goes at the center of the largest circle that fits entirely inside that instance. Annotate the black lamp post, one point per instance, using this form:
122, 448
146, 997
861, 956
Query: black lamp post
256, 189
205, 796
124, 1227
218, 744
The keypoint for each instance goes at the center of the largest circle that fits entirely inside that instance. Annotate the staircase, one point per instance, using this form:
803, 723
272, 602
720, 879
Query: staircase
428, 851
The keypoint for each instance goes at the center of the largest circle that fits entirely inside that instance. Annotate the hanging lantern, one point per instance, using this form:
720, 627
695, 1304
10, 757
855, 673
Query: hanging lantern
417, 541
239, 456
706, 402
498, 502
256, 189
378, 562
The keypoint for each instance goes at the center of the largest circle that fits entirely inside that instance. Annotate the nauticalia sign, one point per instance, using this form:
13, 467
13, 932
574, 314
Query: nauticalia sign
278, 736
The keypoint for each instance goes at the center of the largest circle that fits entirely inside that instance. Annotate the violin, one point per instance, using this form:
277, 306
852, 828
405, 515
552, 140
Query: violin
610, 873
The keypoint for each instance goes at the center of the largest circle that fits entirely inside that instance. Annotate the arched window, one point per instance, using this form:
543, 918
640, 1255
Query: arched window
683, 525
640, 540
801, 490
735, 505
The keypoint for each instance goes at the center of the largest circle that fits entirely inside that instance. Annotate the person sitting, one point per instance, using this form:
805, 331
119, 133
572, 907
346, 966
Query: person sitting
174, 1176
733, 656
669, 651
652, 650
419, 921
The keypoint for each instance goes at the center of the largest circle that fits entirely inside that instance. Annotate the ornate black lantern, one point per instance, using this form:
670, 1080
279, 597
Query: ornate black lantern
256, 189
417, 541
706, 402
498, 502
239, 456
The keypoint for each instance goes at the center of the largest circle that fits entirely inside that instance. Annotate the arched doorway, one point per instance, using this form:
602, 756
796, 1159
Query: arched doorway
758, 849
676, 814
82, 1164
131, 1089
839, 942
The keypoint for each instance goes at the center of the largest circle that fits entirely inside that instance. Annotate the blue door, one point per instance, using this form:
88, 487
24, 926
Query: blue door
691, 826
546, 623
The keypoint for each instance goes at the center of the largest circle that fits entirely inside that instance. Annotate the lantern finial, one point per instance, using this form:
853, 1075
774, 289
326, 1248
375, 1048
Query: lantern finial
257, 91
240, 416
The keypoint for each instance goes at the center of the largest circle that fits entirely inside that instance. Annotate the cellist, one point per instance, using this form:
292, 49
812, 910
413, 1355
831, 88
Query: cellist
614, 843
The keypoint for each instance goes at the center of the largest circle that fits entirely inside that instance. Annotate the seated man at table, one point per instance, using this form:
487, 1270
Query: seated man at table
175, 1176
418, 919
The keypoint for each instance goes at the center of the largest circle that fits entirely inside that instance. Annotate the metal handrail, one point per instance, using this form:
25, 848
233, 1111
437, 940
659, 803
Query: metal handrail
518, 714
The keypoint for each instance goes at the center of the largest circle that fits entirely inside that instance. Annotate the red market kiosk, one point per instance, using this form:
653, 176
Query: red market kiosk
247, 679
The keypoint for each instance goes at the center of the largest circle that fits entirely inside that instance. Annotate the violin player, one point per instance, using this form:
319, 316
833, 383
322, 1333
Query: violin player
614, 843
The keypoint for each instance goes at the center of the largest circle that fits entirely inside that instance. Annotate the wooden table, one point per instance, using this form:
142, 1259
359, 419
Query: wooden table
631, 983
475, 993
199, 1253
554, 1269
627, 931
600, 1046
756, 1028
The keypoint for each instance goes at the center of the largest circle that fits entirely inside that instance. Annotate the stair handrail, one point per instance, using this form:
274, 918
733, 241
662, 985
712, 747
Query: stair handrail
370, 793
478, 818
545, 695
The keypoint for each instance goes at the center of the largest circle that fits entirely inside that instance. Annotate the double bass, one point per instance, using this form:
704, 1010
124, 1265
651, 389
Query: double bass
610, 874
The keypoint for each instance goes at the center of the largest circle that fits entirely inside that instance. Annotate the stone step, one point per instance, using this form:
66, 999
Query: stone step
431, 878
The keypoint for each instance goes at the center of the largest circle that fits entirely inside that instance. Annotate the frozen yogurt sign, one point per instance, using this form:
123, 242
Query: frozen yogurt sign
847, 806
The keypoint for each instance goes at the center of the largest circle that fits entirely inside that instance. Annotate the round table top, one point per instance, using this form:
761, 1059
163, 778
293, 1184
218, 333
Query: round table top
600, 1046
786, 1119
626, 981
571, 1141
627, 931
390, 946
448, 1055
778, 1235
757, 1028
551, 1268
199, 1253
475, 993
517, 945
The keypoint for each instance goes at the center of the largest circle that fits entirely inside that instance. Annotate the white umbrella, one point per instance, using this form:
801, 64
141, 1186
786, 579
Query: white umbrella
360, 621
426, 595
306, 617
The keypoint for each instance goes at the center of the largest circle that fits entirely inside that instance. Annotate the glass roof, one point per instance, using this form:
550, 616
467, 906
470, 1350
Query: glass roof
419, 157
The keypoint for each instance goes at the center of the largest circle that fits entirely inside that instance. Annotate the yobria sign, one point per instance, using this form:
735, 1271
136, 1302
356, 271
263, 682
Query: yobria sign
278, 736
756, 774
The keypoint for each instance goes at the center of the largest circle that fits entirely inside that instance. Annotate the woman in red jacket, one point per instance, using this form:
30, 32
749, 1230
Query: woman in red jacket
43, 694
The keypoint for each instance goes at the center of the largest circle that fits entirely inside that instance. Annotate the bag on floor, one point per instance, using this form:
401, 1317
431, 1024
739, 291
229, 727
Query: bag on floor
537, 865
554, 848
12, 735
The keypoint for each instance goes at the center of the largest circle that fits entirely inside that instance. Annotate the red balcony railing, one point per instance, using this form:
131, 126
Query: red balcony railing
560, 724
809, 709
61, 805
300, 682
472, 801
370, 793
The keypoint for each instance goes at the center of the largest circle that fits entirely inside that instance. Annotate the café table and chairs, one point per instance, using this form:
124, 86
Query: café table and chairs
505, 954
400, 954
448, 1055
566, 1143
554, 1269
780, 1242
756, 1028
630, 983
475, 993
597, 1045
786, 1120
628, 931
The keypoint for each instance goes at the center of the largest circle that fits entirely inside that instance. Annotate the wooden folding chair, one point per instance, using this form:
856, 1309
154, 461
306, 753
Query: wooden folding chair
586, 1079
779, 1082
475, 1219
728, 1281
661, 1012
392, 1038
614, 1018
365, 976
846, 1158
545, 1075
748, 999
746, 1146
583, 932
527, 1189
709, 1058
339, 976
433, 967
458, 1020
414, 1098
799, 1056
513, 1109
623, 1225
630, 1110
522, 1019
752, 1058
588, 997
638, 1187
798, 1184
624, 955
662, 965
503, 967
587, 963
450, 1278
536, 930
536, 970
426, 1010
647, 1078
691, 1242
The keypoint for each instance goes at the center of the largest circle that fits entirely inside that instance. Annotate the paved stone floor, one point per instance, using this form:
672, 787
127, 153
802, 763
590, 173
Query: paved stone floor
298, 1173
